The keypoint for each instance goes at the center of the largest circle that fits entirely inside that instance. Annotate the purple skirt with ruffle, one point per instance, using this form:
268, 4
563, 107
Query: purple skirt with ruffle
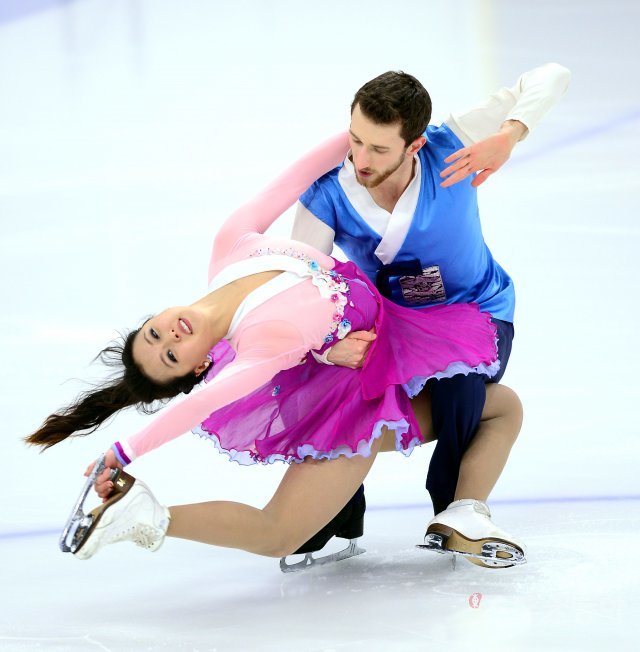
322, 411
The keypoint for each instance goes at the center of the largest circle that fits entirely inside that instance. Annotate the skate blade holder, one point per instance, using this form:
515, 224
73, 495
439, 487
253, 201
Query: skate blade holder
352, 550
79, 523
509, 554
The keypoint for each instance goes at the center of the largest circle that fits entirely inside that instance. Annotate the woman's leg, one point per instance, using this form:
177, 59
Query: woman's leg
309, 496
484, 460
421, 405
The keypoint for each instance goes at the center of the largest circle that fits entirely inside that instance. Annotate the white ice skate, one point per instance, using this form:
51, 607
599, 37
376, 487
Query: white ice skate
131, 513
465, 528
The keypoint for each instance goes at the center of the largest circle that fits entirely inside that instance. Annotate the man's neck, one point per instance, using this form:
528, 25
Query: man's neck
387, 194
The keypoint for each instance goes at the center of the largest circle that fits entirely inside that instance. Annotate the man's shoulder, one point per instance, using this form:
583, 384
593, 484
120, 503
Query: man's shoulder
322, 195
324, 188
441, 137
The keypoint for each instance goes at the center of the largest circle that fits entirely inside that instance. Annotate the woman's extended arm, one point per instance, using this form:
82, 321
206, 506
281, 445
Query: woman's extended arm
258, 214
264, 350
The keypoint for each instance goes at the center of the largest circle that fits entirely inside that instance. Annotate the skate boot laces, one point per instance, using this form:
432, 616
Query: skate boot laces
144, 522
138, 518
142, 534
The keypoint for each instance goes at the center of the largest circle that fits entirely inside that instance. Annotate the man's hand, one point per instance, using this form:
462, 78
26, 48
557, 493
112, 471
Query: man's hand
352, 350
485, 157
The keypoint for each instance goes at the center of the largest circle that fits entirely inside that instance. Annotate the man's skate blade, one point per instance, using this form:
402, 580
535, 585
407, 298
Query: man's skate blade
490, 553
352, 550
433, 542
487, 559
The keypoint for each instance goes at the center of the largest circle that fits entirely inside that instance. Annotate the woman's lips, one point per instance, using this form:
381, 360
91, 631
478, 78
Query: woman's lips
185, 326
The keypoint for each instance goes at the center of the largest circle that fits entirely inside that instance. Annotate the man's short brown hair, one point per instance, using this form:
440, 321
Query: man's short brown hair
394, 97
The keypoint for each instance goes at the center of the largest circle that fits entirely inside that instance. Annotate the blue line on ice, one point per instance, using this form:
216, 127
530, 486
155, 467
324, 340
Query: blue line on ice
26, 534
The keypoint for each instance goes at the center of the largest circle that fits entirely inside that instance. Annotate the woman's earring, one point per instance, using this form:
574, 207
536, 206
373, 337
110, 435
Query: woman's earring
203, 367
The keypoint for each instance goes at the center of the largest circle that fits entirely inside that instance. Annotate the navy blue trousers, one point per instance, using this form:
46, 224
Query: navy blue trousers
456, 406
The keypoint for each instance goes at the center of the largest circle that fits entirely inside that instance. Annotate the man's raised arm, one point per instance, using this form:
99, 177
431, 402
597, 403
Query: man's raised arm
490, 130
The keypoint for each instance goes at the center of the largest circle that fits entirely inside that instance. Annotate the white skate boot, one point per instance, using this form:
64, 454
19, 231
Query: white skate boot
465, 528
130, 514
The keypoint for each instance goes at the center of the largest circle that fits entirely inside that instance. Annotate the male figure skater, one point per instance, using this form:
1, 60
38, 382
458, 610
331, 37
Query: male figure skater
403, 206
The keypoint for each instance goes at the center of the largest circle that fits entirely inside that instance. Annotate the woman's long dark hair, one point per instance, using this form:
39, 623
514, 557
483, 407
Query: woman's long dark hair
94, 407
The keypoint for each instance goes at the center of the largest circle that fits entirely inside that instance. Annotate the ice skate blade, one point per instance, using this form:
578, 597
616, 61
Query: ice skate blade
80, 525
78, 519
352, 550
490, 553
435, 543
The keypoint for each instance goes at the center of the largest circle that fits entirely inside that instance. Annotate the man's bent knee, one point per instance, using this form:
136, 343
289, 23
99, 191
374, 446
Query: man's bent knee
513, 409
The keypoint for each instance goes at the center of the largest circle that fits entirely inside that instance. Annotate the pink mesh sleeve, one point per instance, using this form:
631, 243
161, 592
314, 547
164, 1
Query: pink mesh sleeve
258, 214
266, 348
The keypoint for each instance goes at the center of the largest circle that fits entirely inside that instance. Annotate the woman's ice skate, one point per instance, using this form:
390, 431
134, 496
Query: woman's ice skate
465, 528
131, 513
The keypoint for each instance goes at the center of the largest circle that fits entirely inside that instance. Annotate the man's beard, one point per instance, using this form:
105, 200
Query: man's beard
377, 179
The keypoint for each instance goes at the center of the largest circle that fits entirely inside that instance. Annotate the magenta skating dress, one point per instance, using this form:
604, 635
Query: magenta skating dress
267, 398
322, 411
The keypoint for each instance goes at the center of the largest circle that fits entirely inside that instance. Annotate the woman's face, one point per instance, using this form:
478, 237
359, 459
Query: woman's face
173, 343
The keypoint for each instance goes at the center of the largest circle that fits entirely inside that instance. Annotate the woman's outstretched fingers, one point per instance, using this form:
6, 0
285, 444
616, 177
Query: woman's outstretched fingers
103, 484
110, 462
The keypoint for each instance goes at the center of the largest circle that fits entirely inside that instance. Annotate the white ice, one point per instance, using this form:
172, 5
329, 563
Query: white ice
129, 129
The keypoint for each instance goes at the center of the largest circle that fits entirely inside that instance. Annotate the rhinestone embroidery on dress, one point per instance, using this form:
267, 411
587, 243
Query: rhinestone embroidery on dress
331, 285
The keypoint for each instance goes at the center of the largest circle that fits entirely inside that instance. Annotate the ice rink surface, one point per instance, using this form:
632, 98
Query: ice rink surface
129, 129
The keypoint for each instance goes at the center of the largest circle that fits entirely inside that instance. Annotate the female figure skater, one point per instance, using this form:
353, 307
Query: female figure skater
273, 307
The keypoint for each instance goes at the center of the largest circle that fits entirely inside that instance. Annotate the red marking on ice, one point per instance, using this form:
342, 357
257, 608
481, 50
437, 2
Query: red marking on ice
474, 600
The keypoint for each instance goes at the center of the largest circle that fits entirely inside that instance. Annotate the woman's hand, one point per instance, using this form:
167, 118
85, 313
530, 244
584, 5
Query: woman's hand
103, 485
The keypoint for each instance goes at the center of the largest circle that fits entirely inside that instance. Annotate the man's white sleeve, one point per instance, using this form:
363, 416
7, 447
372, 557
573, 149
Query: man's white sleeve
311, 230
533, 95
